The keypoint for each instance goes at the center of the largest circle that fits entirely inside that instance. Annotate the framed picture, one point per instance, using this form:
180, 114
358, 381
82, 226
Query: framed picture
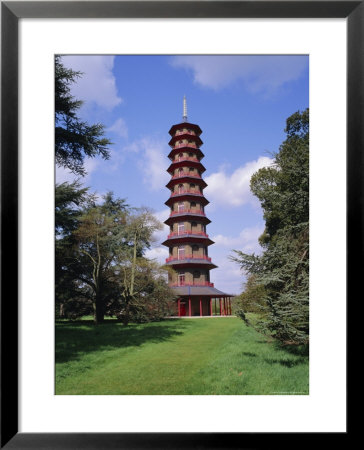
33, 283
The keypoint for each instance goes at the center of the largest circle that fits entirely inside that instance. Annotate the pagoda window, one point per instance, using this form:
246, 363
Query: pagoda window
193, 205
195, 249
181, 279
180, 156
196, 274
193, 187
180, 170
180, 189
181, 228
181, 252
190, 155
181, 206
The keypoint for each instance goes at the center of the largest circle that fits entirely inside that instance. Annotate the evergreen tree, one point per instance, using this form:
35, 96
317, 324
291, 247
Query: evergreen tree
70, 199
74, 138
283, 268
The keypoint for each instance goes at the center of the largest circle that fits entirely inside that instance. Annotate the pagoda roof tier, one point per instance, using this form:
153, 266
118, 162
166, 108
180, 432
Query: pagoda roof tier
186, 178
177, 216
175, 239
182, 125
188, 161
186, 195
186, 148
190, 262
178, 137
200, 291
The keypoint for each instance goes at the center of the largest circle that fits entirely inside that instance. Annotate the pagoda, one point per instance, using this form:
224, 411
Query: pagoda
188, 241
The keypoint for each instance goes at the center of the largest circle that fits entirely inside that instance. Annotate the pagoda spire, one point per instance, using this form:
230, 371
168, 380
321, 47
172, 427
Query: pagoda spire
184, 109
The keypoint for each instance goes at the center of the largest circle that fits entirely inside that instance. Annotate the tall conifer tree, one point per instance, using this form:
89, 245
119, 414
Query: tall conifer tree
283, 268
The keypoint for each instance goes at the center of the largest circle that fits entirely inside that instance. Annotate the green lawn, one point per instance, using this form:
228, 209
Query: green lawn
186, 356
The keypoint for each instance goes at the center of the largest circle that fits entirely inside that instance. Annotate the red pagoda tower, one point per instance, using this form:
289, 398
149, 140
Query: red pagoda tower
188, 240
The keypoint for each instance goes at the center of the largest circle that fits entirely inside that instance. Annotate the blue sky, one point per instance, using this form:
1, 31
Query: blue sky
241, 104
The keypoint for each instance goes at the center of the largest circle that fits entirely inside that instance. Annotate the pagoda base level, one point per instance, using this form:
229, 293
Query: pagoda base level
203, 306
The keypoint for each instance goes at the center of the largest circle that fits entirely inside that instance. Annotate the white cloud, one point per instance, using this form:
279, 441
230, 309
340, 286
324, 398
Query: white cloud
153, 163
158, 253
233, 189
259, 73
228, 277
64, 175
119, 128
97, 84
160, 236
247, 240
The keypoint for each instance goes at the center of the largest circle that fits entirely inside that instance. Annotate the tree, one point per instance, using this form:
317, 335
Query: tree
74, 138
151, 299
134, 267
70, 198
99, 238
283, 268
253, 299
108, 266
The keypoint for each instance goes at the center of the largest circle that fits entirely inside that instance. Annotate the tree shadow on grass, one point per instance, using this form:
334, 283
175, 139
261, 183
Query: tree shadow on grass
297, 354
296, 350
287, 363
250, 354
75, 339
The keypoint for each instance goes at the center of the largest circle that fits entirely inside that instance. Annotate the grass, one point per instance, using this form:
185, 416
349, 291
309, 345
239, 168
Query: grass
209, 356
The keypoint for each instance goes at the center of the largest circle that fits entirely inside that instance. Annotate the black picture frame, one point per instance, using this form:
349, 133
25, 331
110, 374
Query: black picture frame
11, 12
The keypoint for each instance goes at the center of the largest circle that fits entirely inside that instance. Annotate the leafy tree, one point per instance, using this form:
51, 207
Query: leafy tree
99, 236
74, 138
134, 267
283, 268
151, 295
106, 267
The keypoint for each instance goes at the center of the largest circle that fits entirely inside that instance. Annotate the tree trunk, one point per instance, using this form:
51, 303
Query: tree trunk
126, 316
98, 311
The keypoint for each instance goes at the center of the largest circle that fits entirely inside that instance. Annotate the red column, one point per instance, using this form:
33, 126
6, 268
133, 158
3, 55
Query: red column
224, 306
189, 307
220, 307
210, 306
179, 307
230, 305
200, 307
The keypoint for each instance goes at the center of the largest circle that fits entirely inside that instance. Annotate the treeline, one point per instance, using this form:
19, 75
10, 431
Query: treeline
277, 289
100, 268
